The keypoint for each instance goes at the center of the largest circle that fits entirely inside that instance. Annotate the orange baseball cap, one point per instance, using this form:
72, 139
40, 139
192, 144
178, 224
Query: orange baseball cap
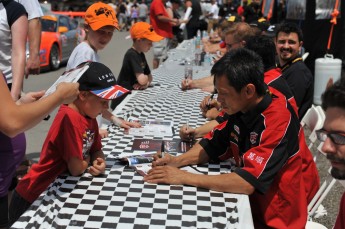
144, 30
100, 14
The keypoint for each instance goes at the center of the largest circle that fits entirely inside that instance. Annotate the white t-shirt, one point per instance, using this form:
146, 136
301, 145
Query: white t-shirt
9, 14
143, 10
129, 6
214, 10
83, 52
32, 7
112, 5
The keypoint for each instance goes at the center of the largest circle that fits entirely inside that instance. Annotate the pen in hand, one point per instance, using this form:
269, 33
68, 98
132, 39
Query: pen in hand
162, 149
189, 135
209, 101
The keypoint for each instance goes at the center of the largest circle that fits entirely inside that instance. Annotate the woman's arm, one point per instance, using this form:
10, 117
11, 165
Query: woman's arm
16, 119
19, 31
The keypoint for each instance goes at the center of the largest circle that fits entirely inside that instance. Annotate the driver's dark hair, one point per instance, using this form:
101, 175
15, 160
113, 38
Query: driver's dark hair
241, 67
289, 27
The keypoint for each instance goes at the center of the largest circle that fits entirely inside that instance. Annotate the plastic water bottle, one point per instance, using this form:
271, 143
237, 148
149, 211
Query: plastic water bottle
207, 60
211, 33
188, 70
197, 57
204, 35
198, 40
198, 49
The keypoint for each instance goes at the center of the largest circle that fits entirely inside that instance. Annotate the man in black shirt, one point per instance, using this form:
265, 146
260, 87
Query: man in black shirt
252, 12
289, 40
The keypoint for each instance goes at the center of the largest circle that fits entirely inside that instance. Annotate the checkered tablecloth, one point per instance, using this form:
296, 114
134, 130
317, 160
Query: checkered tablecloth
120, 199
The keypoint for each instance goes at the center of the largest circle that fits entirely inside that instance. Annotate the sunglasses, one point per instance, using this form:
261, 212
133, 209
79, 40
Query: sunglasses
336, 137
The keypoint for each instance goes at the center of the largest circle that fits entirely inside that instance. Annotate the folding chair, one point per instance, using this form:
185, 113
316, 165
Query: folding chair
320, 195
313, 119
323, 117
314, 225
321, 112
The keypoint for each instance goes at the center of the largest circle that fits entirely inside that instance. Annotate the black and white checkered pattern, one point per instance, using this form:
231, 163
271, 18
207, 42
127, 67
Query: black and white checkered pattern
174, 105
120, 198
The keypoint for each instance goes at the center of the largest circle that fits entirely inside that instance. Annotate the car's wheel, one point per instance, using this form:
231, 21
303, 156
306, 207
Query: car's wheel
54, 61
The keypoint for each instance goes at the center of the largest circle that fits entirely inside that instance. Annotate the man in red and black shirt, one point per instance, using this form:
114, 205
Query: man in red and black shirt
265, 47
261, 135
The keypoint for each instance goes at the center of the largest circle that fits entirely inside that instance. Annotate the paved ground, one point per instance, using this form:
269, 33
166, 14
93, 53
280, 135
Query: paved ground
112, 56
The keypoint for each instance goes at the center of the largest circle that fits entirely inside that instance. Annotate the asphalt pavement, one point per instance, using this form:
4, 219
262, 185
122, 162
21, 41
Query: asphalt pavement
112, 56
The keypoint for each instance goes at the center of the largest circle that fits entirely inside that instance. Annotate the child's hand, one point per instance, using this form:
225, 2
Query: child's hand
98, 167
140, 87
127, 125
103, 133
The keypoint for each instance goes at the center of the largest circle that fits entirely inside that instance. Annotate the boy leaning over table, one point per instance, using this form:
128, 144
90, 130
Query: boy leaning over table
135, 72
261, 135
100, 24
73, 143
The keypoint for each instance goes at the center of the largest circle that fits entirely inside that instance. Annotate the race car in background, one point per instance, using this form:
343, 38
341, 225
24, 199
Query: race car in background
59, 37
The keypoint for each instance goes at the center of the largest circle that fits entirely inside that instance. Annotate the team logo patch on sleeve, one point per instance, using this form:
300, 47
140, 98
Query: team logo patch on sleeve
253, 137
237, 129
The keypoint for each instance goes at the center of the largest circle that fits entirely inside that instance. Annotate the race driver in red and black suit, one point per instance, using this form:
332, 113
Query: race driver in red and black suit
261, 134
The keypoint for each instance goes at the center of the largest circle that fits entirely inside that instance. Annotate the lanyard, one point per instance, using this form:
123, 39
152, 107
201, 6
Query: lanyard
290, 63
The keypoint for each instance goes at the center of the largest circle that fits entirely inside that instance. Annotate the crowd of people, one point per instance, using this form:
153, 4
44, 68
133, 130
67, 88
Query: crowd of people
261, 84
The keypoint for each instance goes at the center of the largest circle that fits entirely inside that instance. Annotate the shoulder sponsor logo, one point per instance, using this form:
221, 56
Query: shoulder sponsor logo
234, 136
253, 137
253, 157
237, 129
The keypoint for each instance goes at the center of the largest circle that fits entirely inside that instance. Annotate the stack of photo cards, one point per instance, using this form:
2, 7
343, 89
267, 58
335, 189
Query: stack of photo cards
156, 128
143, 169
170, 146
143, 151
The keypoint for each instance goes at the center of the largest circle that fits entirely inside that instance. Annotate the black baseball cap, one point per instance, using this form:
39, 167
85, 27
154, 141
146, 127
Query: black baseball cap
99, 80
271, 31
